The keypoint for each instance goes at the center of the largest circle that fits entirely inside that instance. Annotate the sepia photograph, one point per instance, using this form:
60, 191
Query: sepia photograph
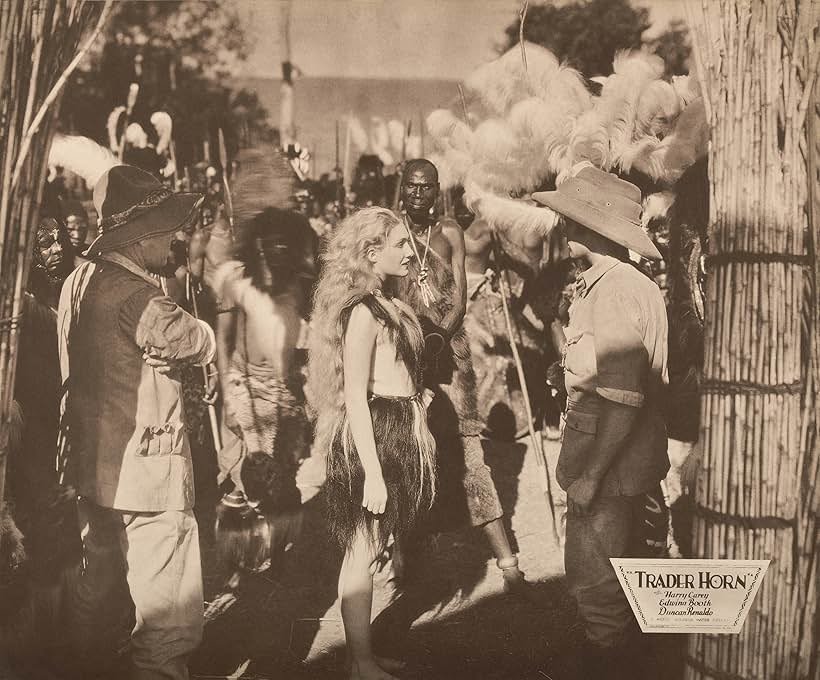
409, 340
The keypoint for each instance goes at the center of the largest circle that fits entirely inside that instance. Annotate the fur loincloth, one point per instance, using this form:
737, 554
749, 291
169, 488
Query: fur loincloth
270, 417
406, 452
404, 445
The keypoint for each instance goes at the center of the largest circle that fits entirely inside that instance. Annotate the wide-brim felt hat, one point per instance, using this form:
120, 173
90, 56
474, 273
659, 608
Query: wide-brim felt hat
604, 203
133, 205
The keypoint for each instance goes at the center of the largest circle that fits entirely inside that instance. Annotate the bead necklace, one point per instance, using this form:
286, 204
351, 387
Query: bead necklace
427, 295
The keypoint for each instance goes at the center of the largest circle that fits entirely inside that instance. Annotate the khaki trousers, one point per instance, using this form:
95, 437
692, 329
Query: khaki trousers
164, 573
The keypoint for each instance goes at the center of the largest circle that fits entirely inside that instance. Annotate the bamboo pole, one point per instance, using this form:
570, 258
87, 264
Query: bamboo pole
38, 52
757, 65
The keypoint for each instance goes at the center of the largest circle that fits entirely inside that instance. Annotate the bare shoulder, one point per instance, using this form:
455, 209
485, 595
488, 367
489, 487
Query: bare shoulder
362, 314
453, 233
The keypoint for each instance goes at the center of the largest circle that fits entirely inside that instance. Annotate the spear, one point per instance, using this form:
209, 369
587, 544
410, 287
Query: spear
348, 141
421, 131
397, 193
223, 160
338, 170
173, 153
504, 286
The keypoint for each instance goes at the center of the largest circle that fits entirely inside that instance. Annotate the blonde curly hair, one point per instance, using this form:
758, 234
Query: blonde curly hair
345, 275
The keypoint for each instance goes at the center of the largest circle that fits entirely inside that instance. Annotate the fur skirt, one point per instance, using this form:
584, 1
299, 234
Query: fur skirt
406, 452
270, 417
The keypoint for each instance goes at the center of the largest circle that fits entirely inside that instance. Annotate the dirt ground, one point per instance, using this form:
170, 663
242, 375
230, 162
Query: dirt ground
286, 623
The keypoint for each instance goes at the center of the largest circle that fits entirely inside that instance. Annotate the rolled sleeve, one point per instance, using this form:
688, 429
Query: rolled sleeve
156, 321
620, 354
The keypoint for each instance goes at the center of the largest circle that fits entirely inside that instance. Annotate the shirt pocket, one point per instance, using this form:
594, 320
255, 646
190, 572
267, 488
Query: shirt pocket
579, 434
579, 357
160, 440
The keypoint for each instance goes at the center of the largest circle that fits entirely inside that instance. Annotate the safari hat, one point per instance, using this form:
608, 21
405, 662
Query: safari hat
133, 205
603, 203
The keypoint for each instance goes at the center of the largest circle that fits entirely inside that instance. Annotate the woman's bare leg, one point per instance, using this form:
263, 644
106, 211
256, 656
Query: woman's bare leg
356, 595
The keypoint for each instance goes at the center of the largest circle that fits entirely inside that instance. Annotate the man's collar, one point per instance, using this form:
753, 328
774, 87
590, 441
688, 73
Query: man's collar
131, 266
597, 270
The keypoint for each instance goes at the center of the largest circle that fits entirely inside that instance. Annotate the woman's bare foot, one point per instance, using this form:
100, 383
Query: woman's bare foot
369, 670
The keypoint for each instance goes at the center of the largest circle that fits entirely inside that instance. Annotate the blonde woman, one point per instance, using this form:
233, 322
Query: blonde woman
364, 387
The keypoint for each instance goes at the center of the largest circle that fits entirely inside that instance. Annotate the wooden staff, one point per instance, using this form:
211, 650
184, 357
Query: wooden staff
512, 333
208, 370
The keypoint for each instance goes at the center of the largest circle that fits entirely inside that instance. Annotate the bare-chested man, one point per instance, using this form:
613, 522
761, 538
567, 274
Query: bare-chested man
437, 291
261, 294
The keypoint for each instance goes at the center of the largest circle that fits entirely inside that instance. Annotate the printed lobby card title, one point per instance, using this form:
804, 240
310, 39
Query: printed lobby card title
688, 596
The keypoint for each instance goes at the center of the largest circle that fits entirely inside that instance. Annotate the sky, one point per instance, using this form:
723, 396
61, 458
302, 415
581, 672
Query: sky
390, 38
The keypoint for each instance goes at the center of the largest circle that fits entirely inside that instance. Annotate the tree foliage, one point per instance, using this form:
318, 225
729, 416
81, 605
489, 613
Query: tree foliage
674, 47
587, 34
182, 54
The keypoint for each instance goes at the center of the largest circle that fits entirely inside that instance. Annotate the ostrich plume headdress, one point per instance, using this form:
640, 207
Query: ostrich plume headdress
524, 127
164, 126
610, 122
112, 126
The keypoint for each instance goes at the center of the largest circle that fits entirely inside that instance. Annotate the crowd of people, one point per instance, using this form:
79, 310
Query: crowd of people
283, 343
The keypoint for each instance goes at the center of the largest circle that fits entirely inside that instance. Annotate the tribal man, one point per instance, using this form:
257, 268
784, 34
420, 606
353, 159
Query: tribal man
437, 291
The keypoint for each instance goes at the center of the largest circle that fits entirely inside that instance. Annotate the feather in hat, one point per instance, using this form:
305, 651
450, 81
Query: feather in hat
82, 156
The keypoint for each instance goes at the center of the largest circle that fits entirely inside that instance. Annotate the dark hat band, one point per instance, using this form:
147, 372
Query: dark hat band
152, 200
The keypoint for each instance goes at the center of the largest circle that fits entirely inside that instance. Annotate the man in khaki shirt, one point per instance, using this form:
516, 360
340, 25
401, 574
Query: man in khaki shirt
613, 453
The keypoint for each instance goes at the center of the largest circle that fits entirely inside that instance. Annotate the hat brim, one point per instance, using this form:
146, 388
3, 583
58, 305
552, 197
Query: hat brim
615, 228
165, 218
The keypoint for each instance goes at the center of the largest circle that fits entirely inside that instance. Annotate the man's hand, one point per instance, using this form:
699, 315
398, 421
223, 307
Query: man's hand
212, 386
580, 495
158, 363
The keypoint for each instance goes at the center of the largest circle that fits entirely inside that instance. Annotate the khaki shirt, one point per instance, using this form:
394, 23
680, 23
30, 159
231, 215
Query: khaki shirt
616, 350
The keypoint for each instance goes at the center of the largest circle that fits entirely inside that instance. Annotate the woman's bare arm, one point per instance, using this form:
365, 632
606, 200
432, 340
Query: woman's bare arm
357, 356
